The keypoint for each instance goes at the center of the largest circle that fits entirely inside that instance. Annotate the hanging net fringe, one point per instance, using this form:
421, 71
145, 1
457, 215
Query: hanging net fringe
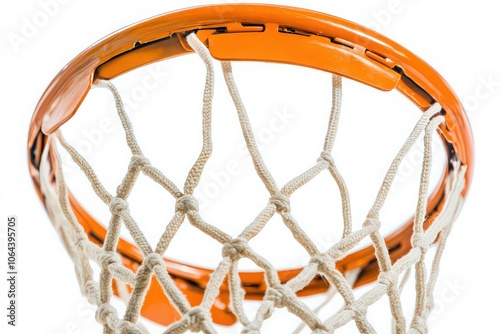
277, 295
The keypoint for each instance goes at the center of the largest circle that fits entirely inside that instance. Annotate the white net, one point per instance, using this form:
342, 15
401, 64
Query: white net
278, 294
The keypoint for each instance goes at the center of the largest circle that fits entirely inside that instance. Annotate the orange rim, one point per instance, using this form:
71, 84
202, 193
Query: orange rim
261, 33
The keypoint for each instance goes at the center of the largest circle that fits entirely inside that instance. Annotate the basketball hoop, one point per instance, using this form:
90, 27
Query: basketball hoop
189, 298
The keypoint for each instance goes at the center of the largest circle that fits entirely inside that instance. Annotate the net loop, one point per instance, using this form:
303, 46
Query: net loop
106, 258
152, 260
419, 240
187, 203
281, 202
235, 249
117, 205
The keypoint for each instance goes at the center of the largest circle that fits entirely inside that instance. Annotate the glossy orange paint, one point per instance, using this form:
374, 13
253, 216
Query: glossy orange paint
258, 33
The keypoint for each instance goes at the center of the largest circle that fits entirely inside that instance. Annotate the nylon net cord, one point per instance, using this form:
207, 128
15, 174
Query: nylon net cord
277, 295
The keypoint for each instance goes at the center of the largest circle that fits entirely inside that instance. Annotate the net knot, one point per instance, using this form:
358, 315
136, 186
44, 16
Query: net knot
323, 261
419, 324
195, 317
281, 202
326, 156
152, 260
103, 312
106, 258
279, 295
374, 223
419, 240
117, 205
139, 161
186, 203
358, 308
388, 278
235, 249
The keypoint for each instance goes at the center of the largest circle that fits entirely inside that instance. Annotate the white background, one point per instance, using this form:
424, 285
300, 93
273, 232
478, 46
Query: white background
459, 39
